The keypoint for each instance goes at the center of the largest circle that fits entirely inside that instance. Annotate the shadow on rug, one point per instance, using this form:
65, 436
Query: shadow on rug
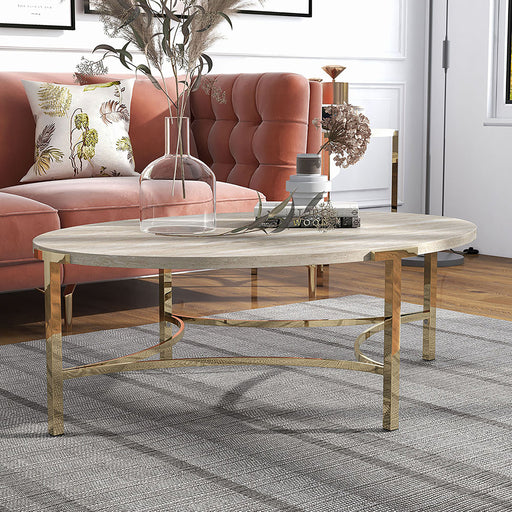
263, 438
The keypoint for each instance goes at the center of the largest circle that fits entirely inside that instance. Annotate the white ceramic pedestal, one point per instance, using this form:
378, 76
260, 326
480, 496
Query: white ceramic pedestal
308, 182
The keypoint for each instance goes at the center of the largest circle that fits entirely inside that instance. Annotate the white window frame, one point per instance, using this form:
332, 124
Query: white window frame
499, 113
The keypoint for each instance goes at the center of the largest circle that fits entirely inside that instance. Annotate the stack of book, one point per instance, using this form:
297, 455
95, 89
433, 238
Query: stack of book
347, 216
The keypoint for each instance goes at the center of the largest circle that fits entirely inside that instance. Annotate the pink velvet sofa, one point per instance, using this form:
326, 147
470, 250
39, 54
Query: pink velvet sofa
250, 142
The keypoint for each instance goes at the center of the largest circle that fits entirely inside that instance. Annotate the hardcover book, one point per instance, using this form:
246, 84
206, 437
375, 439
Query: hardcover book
342, 209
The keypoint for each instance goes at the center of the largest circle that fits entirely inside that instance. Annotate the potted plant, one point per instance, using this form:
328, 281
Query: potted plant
173, 37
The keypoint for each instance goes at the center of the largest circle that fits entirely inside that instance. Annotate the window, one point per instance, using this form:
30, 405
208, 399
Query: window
499, 104
508, 76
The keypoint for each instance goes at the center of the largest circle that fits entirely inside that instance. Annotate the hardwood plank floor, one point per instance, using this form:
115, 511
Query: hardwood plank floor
482, 286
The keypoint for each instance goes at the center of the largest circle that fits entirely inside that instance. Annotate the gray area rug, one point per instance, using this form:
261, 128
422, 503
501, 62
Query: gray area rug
262, 438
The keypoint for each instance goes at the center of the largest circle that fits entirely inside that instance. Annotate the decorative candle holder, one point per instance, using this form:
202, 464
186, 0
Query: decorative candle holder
308, 181
334, 93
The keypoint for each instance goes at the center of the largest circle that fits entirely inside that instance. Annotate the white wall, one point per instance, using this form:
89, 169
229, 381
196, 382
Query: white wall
382, 43
478, 169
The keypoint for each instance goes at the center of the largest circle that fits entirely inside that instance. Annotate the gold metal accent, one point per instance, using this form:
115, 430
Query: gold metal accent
254, 287
394, 173
334, 70
394, 135
165, 310
101, 369
429, 306
312, 281
389, 323
322, 275
130, 361
378, 327
339, 93
391, 372
68, 306
282, 324
53, 327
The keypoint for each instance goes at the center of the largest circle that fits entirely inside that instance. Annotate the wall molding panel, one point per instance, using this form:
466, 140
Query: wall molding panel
369, 181
381, 42
355, 47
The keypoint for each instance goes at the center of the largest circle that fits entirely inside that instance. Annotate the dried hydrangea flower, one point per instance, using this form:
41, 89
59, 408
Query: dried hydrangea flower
347, 133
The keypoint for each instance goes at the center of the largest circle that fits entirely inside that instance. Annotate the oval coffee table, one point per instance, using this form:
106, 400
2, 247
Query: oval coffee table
385, 237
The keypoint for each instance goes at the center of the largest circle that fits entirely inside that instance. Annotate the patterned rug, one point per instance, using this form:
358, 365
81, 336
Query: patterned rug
264, 438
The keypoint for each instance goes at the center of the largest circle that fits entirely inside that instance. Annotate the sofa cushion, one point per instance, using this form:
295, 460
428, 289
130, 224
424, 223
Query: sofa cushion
90, 200
21, 219
87, 200
22, 277
81, 131
233, 198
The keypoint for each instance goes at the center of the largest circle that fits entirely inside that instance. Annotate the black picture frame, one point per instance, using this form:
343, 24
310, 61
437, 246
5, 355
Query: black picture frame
88, 9
24, 22
305, 14
508, 88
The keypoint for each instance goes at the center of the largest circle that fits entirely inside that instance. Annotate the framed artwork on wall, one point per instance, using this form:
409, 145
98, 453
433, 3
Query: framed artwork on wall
52, 14
89, 7
302, 8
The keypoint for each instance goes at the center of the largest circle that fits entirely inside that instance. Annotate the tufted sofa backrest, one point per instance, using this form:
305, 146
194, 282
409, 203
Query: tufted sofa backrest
251, 139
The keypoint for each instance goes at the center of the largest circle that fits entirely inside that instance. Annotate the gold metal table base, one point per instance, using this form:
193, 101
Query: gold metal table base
389, 323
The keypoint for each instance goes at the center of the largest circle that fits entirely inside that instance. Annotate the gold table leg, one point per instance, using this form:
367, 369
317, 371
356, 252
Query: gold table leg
254, 287
53, 325
390, 323
68, 306
392, 344
322, 275
429, 306
165, 306
312, 281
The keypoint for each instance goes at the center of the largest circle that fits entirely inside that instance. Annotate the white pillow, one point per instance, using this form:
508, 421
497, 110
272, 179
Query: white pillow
81, 130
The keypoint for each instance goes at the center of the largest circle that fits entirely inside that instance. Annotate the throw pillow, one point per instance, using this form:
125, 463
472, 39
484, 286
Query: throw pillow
81, 130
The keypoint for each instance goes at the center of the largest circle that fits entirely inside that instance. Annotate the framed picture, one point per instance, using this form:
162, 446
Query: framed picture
53, 14
89, 7
302, 8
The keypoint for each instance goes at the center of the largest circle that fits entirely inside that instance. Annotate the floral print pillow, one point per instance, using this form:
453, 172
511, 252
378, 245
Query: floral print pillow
81, 130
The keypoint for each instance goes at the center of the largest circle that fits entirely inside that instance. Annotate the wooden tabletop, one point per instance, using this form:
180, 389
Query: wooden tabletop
122, 244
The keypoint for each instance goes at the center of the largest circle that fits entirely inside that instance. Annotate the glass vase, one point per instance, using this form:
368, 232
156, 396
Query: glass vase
177, 191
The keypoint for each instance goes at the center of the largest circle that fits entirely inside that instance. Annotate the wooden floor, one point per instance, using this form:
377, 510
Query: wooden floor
482, 286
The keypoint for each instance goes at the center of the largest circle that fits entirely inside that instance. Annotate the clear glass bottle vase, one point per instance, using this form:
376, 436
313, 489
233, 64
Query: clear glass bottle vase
177, 191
